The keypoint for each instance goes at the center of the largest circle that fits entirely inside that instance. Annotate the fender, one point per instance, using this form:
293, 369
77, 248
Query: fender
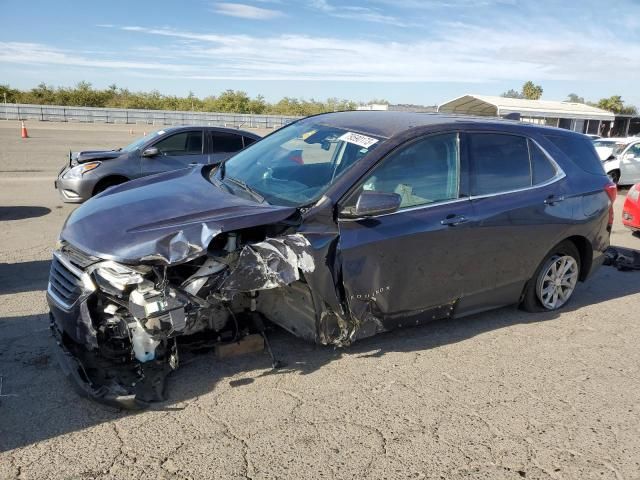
611, 165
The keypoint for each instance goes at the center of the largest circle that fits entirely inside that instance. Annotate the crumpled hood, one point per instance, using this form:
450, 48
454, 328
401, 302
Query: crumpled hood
91, 155
164, 219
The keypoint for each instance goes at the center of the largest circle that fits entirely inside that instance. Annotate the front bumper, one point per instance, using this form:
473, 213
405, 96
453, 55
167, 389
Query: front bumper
129, 385
631, 214
76, 372
74, 190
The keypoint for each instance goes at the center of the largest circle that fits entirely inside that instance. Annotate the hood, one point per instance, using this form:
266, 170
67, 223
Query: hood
163, 219
91, 155
604, 152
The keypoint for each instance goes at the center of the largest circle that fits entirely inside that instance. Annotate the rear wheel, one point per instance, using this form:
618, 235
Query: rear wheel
555, 279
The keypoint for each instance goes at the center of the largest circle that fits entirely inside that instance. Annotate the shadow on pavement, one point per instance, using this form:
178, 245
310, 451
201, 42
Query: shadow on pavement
38, 403
20, 213
24, 277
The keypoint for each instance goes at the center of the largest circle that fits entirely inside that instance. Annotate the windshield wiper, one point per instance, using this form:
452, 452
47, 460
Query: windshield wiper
246, 188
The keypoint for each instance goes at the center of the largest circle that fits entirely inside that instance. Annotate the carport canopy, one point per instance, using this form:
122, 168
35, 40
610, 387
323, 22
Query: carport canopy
486, 105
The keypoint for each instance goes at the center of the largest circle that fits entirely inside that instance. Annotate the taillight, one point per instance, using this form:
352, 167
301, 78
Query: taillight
612, 191
634, 192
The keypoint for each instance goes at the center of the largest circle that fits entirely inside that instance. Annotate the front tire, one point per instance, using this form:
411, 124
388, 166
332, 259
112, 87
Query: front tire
554, 281
614, 175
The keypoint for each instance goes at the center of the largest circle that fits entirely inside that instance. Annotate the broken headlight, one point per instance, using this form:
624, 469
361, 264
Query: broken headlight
115, 278
78, 171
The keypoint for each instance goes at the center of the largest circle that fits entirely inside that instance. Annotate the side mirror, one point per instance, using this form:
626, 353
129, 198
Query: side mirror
629, 156
150, 152
372, 203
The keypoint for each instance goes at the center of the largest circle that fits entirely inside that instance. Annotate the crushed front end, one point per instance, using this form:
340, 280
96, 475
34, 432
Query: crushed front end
118, 325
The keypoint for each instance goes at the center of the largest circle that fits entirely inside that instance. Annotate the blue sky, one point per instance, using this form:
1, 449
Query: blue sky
406, 51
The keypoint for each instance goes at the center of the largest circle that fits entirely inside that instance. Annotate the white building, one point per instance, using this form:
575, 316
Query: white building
572, 116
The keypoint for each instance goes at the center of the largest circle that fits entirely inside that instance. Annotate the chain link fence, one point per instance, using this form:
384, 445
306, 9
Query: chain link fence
55, 113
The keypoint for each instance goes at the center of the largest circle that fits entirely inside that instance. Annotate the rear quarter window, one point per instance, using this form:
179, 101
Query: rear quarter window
580, 151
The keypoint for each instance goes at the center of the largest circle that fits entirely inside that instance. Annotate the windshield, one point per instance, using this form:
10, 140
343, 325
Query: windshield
295, 165
617, 147
141, 141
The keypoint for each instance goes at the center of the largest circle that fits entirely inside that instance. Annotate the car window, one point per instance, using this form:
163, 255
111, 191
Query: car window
248, 141
226, 142
541, 168
424, 172
499, 163
183, 143
580, 151
635, 150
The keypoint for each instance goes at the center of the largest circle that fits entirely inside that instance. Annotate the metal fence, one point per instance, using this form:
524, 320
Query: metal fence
55, 113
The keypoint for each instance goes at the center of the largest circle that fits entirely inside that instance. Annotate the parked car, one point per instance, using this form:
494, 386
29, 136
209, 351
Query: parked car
386, 220
92, 171
631, 209
621, 158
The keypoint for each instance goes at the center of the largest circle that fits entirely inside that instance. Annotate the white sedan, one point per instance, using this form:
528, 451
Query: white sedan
620, 158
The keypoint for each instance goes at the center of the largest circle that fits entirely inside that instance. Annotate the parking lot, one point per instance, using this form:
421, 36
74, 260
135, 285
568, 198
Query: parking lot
500, 395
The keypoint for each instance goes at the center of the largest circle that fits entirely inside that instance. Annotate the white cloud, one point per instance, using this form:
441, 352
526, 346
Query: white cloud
241, 10
455, 52
361, 14
438, 4
39, 54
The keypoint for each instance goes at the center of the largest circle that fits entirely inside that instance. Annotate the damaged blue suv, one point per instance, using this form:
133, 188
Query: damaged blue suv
336, 228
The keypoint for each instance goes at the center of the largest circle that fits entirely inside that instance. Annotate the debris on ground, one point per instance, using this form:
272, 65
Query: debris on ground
624, 259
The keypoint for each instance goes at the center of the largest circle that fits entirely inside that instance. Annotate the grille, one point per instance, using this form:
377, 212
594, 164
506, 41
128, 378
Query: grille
64, 283
78, 258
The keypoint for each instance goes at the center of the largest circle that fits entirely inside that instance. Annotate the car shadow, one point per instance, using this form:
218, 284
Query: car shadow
24, 277
38, 403
22, 212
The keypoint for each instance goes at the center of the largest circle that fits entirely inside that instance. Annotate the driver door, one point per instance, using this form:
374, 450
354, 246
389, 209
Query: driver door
407, 267
176, 151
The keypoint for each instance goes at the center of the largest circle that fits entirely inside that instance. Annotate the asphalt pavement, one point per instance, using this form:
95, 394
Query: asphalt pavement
500, 395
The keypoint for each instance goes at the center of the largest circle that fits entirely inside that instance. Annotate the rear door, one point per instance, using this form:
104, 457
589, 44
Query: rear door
224, 145
407, 267
520, 206
178, 150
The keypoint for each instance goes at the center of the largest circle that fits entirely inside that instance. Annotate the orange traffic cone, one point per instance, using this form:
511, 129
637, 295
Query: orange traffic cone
24, 131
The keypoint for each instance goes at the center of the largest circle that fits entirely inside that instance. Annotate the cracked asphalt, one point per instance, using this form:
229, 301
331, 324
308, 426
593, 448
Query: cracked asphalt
500, 395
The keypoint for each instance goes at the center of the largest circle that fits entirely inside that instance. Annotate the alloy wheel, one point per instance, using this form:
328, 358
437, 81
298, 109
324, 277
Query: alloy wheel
557, 281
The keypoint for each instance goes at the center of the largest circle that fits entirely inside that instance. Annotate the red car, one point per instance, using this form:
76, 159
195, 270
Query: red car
631, 209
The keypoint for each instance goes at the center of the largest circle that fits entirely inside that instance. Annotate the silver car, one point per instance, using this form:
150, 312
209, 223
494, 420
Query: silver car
90, 172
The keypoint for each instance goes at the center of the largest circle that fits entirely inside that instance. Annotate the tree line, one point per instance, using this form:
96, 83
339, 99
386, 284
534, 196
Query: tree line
614, 103
84, 94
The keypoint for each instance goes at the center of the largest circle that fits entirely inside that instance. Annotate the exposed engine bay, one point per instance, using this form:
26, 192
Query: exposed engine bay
126, 340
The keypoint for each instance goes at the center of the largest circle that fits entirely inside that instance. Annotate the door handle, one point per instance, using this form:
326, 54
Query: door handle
453, 220
553, 199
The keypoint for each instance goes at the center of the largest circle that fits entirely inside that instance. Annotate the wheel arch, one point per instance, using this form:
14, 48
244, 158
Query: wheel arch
586, 254
109, 180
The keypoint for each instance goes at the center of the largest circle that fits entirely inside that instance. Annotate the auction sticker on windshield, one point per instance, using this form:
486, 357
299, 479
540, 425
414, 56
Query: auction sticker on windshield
358, 139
